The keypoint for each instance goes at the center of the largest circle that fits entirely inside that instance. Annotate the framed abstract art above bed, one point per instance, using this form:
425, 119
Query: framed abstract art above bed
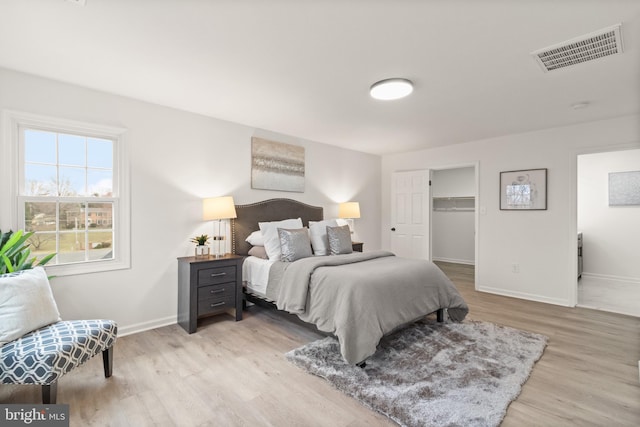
277, 166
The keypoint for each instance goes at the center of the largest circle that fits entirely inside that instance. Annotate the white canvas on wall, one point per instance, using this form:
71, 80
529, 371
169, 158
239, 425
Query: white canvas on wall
276, 166
624, 188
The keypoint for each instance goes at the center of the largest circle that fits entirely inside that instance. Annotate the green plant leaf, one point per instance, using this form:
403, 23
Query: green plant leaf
46, 259
8, 265
17, 243
11, 242
23, 262
16, 253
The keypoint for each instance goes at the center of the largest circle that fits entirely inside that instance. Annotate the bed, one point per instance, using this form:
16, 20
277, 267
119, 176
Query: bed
358, 297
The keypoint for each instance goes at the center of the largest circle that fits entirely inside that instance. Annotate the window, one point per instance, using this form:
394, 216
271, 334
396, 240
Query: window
71, 191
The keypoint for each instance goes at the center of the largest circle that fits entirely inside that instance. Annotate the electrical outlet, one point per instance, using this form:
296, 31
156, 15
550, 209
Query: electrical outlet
78, 2
515, 268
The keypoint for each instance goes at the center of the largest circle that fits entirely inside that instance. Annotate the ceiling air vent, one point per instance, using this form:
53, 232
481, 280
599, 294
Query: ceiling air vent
585, 48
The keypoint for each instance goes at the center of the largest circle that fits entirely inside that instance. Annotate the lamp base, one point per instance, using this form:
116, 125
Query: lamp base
219, 253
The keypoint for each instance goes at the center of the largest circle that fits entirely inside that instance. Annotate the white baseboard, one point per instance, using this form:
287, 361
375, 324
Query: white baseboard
453, 260
145, 326
612, 278
524, 295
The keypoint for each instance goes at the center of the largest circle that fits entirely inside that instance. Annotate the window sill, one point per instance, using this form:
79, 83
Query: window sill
86, 268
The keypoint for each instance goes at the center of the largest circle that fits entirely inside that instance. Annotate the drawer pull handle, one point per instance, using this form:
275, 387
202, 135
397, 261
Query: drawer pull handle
217, 304
217, 291
218, 274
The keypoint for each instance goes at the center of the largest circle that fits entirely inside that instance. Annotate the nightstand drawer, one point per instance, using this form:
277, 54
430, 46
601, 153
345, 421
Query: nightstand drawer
217, 292
216, 298
210, 306
211, 276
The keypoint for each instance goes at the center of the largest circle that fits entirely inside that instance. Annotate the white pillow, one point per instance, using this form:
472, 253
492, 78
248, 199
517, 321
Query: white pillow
341, 222
26, 303
318, 232
272, 239
255, 238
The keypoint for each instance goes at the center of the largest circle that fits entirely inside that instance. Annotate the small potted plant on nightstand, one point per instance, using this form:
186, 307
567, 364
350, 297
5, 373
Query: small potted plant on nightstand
202, 250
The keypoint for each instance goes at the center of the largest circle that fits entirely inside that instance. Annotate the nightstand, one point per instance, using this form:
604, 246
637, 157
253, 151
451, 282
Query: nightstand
208, 286
357, 246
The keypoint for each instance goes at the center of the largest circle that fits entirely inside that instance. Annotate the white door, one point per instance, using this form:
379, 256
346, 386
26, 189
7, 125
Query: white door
410, 214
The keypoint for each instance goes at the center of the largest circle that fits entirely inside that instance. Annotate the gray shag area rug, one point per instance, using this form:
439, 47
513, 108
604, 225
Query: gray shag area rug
428, 374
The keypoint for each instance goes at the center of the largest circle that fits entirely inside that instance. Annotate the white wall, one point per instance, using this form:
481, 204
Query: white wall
177, 159
611, 233
453, 232
542, 243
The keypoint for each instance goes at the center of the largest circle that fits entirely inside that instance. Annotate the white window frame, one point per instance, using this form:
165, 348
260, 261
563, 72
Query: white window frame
13, 121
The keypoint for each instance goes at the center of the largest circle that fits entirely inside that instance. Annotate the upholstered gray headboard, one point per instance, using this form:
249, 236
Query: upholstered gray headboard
268, 210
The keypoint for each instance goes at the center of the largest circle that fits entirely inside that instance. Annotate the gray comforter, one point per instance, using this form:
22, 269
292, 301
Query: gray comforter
361, 297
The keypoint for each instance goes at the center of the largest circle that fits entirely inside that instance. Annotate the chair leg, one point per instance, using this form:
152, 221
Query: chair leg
50, 393
107, 361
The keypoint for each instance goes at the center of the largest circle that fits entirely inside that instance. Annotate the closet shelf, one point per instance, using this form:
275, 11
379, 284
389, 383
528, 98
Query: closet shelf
454, 204
453, 209
455, 198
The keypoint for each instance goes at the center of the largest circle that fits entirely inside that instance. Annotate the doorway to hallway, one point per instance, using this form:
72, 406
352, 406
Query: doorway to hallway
610, 279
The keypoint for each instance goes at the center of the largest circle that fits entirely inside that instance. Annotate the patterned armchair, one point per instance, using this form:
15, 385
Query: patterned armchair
44, 355
36, 346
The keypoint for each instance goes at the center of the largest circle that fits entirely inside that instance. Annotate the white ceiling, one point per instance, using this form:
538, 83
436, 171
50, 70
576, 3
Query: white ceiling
304, 67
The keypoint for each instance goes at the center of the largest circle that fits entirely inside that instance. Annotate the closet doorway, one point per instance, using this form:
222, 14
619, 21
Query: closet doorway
610, 274
453, 216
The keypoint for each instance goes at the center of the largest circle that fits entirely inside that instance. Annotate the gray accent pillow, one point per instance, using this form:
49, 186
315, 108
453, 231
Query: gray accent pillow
270, 234
258, 251
339, 240
294, 244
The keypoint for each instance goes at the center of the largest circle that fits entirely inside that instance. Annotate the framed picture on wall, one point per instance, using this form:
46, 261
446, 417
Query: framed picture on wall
523, 190
277, 166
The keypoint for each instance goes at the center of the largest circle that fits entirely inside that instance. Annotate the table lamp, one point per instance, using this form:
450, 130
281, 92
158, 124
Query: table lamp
219, 208
349, 211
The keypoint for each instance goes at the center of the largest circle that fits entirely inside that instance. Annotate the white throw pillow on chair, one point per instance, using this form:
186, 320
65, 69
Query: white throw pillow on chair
26, 303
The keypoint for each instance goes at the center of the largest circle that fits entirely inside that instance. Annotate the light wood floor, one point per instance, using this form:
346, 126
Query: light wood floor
616, 296
234, 373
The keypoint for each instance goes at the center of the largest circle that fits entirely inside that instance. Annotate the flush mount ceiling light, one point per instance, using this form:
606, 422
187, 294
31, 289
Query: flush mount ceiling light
390, 89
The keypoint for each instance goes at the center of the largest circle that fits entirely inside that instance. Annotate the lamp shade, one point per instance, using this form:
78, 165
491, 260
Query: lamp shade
218, 208
349, 210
